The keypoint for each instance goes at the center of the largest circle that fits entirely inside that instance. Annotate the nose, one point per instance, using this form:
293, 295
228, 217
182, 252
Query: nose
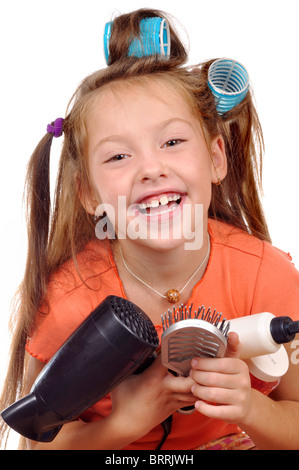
152, 167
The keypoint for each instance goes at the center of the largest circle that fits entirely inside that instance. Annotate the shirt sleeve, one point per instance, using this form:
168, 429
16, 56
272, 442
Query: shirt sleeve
68, 303
277, 284
65, 311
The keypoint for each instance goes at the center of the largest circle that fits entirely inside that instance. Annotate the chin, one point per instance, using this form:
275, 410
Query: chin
162, 245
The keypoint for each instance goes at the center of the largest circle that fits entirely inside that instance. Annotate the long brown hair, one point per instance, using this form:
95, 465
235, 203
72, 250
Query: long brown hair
58, 231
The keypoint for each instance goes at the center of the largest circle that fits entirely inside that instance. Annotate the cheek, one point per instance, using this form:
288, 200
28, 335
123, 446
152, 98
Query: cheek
112, 200
200, 187
199, 175
104, 185
198, 161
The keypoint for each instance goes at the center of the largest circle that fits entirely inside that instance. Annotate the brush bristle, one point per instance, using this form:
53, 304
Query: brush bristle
183, 313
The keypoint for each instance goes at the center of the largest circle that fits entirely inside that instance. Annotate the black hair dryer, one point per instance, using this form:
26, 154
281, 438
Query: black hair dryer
116, 340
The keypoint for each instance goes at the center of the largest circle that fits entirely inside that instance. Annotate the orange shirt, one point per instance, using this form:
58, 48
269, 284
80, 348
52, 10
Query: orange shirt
244, 276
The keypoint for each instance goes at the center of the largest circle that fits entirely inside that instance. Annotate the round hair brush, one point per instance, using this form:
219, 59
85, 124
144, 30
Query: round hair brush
116, 340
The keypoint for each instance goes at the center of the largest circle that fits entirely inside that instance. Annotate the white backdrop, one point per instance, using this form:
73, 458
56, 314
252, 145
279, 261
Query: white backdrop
48, 47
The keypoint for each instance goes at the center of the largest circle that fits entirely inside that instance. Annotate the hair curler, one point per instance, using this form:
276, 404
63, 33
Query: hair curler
154, 39
229, 83
116, 340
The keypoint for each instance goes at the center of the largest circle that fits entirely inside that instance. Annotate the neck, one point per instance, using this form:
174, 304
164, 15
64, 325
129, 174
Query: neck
162, 270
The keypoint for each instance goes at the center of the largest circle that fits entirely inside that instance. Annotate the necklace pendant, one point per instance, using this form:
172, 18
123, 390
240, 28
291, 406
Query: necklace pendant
173, 296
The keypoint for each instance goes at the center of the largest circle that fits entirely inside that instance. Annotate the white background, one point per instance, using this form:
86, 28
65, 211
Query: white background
47, 47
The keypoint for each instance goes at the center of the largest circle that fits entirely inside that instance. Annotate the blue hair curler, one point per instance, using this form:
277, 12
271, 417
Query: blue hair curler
229, 83
154, 39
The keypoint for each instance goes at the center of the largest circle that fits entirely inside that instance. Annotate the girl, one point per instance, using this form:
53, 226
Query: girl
147, 130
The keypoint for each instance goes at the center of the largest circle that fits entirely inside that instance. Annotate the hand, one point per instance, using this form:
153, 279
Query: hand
143, 401
222, 385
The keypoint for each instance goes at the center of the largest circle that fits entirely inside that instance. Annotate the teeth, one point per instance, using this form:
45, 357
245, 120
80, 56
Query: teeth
154, 203
163, 201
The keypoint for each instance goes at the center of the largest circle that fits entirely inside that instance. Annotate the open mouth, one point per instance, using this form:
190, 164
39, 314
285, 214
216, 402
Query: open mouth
158, 205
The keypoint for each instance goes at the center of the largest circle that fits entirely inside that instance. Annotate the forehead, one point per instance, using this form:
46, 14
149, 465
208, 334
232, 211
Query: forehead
133, 98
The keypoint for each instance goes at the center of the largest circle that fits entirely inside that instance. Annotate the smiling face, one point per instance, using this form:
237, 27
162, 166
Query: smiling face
146, 145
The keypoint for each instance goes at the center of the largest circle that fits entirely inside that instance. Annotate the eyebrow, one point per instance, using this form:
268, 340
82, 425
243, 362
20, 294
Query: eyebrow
173, 120
162, 125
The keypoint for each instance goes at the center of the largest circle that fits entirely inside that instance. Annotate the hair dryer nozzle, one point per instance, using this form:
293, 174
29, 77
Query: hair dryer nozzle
32, 418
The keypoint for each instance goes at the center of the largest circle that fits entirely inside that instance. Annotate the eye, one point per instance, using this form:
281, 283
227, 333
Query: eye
117, 158
172, 143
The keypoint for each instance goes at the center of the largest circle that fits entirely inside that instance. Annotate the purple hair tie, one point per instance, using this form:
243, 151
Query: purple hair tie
55, 127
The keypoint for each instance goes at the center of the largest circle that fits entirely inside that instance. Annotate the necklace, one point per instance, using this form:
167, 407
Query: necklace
173, 295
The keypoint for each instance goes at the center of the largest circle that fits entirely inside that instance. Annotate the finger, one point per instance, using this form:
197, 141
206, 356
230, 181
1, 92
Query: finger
233, 345
184, 399
219, 365
215, 379
178, 384
214, 394
212, 411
